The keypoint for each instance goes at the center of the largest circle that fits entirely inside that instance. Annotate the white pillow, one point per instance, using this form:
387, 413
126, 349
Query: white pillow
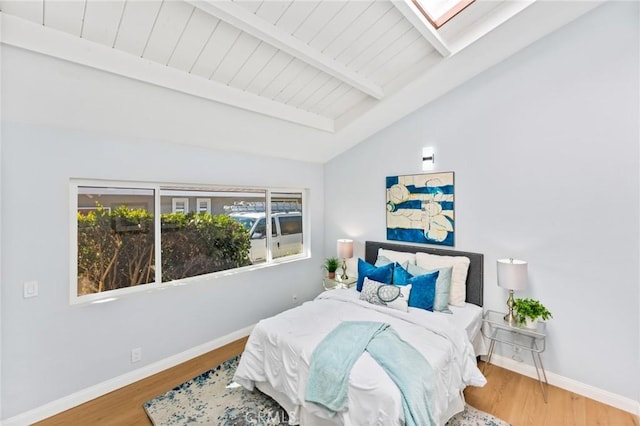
369, 293
398, 256
460, 265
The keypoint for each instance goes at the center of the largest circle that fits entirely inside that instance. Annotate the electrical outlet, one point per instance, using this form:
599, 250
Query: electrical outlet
294, 298
136, 354
30, 289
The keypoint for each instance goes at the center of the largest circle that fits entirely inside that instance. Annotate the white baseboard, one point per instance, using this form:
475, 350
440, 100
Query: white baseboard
80, 397
606, 397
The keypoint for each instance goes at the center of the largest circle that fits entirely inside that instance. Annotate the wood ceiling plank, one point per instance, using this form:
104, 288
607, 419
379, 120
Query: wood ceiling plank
269, 72
102, 20
283, 79
215, 50
64, 16
342, 105
368, 18
30, 10
321, 106
172, 21
296, 15
384, 42
240, 18
320, 94
309, 89
251, 5
238, 55
339, 24
254, 65
318, 19
412, 51
304, 77
136, 25
193, 40
396, 46
272, 11
373, 37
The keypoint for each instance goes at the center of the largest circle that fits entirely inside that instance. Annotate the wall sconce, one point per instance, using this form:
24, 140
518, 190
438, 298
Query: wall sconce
428, 158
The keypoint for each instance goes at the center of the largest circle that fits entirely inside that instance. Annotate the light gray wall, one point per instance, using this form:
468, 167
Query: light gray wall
544, 147
51, 349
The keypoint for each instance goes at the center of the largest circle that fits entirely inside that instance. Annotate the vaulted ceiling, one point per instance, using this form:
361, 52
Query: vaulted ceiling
346, 68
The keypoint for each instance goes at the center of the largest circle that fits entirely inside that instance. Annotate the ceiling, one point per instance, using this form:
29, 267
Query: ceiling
344, 68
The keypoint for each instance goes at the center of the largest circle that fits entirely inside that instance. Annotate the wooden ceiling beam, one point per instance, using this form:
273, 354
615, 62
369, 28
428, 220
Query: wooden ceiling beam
263, 30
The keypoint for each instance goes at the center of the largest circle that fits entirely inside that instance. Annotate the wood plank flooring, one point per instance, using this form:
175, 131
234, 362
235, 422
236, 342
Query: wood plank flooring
508, 395
518, 400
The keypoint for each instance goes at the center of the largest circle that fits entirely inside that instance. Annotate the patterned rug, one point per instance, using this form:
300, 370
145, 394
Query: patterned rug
212, 399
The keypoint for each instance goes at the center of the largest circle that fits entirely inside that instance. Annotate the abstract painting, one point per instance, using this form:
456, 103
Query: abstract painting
420, 208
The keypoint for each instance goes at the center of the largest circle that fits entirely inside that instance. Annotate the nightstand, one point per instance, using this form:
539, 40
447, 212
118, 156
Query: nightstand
337, 282
496, 329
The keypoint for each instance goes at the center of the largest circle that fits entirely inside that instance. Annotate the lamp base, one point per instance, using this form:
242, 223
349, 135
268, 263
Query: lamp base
344, 275
510, 317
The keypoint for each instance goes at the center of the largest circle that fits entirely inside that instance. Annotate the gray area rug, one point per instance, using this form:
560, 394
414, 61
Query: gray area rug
209, 400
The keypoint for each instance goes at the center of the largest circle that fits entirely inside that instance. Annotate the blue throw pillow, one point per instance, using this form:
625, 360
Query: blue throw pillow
383, 274
423, 287
443, 285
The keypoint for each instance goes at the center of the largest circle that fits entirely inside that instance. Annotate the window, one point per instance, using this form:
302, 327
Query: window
115, 243
203, 205
439, 12
180, 205
120, 244
286, 210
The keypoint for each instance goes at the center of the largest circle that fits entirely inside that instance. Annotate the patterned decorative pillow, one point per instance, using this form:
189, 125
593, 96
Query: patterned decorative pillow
392, 296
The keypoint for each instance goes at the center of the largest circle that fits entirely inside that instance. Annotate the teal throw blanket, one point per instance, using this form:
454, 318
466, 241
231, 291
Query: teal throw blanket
333, 358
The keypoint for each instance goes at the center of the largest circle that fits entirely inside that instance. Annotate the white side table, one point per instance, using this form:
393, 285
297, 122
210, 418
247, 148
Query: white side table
337, 282
496, 329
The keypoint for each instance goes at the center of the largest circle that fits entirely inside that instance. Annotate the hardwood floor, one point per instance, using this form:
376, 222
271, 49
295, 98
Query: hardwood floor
518, 400
514, 398
124, 406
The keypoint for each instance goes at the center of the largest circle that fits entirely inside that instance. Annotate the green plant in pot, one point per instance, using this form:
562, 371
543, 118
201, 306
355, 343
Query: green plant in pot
331, 264
529, 311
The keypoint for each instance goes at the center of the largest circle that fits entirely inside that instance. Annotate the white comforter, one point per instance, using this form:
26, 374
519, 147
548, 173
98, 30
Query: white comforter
279, 352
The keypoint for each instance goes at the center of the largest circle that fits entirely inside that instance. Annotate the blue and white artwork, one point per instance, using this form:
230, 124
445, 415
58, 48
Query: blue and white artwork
420, 208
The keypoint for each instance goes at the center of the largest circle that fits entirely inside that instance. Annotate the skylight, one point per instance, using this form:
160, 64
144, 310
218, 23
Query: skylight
439, 12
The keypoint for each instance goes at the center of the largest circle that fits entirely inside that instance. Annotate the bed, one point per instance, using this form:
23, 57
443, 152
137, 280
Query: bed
278, 353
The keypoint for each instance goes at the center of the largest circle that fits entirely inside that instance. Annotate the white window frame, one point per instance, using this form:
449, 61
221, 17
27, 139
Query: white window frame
158, 285
207, 202
174, 205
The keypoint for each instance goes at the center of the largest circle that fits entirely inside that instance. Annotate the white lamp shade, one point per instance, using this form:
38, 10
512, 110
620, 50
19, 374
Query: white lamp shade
345, 249
512, 274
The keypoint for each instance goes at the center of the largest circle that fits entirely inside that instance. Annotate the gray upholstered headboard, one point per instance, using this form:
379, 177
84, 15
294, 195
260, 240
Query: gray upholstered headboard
475, 276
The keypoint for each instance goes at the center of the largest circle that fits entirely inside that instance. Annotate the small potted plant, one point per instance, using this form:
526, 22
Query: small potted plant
331, 264
529, 311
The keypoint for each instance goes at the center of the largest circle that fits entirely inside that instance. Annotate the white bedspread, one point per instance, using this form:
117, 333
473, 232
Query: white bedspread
279, 352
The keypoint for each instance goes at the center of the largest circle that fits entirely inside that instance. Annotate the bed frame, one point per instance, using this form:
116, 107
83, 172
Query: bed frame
475, 276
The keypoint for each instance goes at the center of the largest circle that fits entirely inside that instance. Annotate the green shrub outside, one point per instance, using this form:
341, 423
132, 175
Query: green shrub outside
116, 249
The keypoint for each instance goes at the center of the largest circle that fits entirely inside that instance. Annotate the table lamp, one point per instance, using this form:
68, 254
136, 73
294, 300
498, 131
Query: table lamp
345, 251
512, 275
